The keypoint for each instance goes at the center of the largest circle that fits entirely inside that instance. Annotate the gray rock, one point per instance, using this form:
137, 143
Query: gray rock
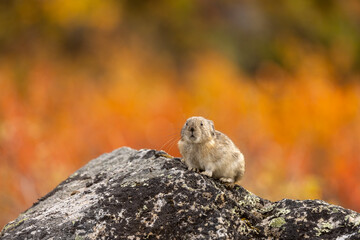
129, 194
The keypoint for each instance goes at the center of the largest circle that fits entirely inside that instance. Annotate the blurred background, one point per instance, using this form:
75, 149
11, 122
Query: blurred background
80, 78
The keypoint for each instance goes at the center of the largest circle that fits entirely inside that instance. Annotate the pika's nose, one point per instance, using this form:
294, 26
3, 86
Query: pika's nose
192, 129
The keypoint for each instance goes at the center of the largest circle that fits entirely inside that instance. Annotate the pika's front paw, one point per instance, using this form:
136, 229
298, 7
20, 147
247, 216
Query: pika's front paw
207, 173
226, 180
193, 169
229, 185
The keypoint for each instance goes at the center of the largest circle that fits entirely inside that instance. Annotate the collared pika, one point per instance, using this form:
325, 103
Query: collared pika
205, 149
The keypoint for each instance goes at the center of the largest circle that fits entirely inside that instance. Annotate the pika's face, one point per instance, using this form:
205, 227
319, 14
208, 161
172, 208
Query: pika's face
197, 130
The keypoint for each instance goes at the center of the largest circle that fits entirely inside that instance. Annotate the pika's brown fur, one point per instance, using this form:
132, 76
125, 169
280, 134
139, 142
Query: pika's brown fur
205, 149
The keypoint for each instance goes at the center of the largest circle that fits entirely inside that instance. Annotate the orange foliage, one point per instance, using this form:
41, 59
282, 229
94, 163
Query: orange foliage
299, 133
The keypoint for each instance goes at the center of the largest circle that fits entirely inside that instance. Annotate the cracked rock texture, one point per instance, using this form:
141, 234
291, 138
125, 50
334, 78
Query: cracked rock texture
130, 194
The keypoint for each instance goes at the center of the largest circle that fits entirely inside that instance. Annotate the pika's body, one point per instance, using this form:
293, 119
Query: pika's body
205, 149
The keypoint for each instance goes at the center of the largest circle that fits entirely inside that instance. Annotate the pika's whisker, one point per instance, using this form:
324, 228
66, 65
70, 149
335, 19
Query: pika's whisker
168, 142
173, 143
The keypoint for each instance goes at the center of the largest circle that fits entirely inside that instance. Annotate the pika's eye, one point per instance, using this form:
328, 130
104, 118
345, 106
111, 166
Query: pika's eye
201, 124
186, 124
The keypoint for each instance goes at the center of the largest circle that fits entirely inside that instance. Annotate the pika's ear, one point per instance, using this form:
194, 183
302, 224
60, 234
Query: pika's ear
212, 127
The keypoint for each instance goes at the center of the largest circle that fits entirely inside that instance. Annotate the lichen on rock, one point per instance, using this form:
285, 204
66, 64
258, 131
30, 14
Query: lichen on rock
145, 194
277, 222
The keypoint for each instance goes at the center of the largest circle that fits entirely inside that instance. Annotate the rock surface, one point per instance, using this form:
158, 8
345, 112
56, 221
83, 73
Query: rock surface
129, 194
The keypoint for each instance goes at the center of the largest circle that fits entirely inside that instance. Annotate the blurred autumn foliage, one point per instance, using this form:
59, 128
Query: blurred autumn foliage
80, 78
